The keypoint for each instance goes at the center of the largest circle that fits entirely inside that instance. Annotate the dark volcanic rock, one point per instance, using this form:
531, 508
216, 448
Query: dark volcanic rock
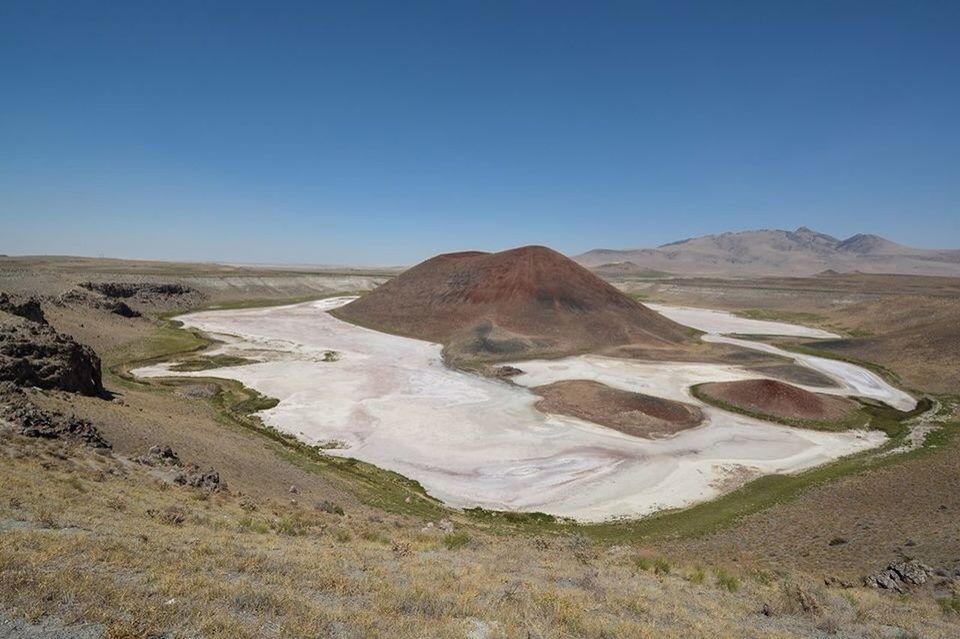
34, 354
136, 289
27, 309
32, 421
86, 298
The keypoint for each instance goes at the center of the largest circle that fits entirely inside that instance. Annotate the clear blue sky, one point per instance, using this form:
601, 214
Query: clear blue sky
382, 133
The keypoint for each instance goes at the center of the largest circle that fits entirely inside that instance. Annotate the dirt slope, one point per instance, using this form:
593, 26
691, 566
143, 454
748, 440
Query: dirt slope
521, 302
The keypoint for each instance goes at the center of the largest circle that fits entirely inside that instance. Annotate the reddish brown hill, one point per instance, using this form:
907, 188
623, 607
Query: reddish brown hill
779, 399
522, 302
631, 413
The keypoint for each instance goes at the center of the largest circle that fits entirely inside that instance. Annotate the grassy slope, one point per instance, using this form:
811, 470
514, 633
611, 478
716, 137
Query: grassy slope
94, 539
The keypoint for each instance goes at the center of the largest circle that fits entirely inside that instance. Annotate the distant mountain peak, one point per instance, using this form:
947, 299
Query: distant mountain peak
801, 252
864, 243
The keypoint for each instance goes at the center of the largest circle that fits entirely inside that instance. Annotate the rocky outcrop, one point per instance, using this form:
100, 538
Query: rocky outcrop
20, 413
34, 354
28, 308
195, 478
899, 576
170, 468
159, 456
142, 291
83, 297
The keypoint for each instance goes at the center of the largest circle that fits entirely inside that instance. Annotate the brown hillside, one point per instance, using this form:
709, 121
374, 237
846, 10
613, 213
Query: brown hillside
779, 399
631, 413
522, 302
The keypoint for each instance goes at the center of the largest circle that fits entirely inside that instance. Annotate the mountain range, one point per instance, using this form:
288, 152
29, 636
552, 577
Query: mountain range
776, 252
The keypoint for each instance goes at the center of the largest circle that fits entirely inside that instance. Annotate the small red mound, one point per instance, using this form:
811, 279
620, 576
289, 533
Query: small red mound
779, 399
530, 300
631, 413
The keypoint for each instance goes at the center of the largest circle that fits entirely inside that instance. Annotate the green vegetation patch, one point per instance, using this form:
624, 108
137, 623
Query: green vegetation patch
232, 305
207, 362
771, 315
456, 540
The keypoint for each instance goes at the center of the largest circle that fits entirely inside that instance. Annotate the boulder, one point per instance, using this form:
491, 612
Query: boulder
192, 476
159, 456
899, 576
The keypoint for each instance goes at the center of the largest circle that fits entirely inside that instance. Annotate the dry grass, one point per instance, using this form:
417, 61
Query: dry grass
94, 538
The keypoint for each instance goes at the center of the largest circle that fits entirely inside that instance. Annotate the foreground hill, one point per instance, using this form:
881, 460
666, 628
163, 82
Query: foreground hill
525, 301
777, 252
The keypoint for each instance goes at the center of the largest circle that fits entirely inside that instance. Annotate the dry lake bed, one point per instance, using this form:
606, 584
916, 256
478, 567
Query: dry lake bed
473, 441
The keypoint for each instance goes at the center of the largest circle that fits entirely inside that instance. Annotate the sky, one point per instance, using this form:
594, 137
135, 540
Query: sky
383, 133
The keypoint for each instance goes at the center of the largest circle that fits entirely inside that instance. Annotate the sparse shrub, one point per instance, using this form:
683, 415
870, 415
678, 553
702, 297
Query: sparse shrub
373, 536
727, 581
172, 516
456, 540
950, 605
581, 547
697, 576
46, 519
288, 526
577, 543
329, 507
256, 601
74, 482
642, 563
661, 566
799, 598
763, 577
830, 624
342, 535
249, 524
